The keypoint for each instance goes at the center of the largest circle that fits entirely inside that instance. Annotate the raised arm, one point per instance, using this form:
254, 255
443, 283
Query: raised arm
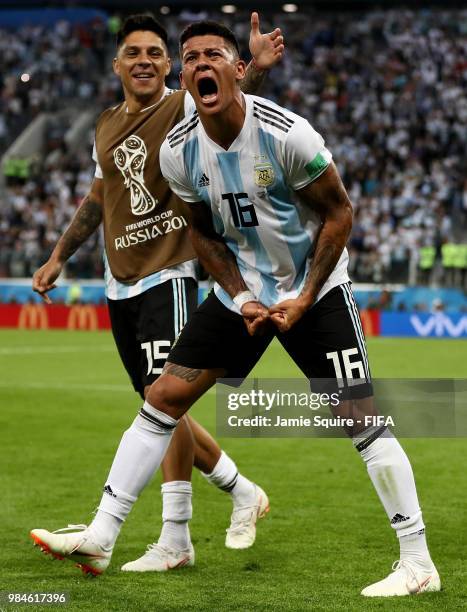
84, 223
219, 261
266, 50
328, 198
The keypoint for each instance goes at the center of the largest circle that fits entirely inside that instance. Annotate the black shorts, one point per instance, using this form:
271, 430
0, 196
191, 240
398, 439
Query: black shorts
326, 344
145, 326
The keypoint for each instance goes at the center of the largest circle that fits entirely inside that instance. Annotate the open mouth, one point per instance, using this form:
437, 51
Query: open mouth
207, 88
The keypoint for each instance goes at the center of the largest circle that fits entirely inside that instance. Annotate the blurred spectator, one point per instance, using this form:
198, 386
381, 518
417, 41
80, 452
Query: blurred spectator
385, 88
381, 302
37, 209
74, 294
437, 305
47, 68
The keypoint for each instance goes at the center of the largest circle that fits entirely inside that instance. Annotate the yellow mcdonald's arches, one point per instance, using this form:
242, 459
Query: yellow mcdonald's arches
82, 316
33, 316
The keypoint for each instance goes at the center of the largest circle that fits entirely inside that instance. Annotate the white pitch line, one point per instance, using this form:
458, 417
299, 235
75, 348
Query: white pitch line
75, 387
67, 386
31, 350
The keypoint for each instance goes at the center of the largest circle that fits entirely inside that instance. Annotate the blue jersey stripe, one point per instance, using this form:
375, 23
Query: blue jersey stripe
282, 201
150, 281
191, 160
230, 170
122, 291
195, 172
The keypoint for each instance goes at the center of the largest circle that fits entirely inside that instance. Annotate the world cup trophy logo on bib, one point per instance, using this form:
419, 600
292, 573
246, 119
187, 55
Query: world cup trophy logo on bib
130, 158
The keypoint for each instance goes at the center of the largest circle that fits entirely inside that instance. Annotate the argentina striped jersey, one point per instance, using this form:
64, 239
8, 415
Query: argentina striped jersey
250, 191
115, 290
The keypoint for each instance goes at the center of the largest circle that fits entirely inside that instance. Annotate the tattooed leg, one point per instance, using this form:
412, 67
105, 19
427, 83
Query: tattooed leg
179, 387
188, 374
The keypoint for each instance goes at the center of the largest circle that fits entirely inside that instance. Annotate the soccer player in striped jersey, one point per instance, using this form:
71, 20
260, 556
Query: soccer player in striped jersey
270, 220
151, 290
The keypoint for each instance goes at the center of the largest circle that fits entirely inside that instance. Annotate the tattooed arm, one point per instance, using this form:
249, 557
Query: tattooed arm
219, 261
253, 79
328, 198
214, 255
86, 220
84, 223
266, 50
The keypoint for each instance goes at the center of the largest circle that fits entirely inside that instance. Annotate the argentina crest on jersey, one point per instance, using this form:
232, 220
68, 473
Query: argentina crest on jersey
263, 171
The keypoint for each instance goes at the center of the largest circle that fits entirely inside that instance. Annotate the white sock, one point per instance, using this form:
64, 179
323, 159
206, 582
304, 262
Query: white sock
225, 476
176, 512
175, 535
105, 529
414, 548
391, 474
138, 456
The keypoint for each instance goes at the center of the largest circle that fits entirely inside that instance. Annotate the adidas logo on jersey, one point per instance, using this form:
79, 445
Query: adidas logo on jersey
108, 490
398, 518
203, 181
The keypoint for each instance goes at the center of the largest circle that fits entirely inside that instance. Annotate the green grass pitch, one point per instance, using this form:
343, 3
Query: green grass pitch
64, 403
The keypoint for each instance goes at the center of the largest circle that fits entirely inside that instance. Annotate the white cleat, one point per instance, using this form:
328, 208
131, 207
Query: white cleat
242, 530
160, 558
78, 546
405, 579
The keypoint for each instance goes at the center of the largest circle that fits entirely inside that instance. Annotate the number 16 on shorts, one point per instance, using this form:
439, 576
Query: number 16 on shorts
351, 368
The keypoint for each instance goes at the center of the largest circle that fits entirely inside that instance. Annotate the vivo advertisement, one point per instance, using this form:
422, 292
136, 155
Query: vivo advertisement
423, 325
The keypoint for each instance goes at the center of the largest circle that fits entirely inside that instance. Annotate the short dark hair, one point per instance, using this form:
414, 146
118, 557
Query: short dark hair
201, 28
138, 22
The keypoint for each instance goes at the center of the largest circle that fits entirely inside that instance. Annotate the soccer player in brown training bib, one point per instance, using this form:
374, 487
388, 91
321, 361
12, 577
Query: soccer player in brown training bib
151, 290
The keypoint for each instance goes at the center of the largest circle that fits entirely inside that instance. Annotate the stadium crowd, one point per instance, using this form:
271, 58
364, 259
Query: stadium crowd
46, 68
385, 88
